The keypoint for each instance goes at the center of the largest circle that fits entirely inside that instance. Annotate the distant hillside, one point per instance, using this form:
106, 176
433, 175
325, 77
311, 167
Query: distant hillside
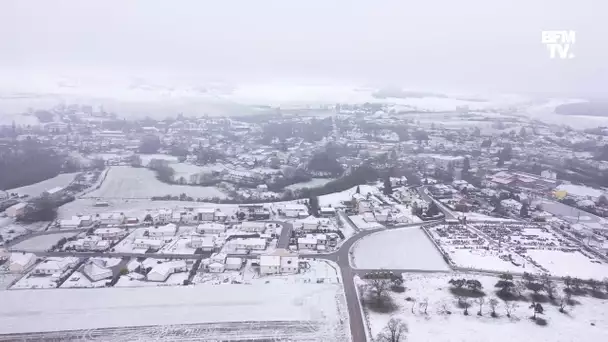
583, 108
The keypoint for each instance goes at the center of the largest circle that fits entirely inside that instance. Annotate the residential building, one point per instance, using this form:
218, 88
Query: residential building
205, 243
327, 212
162, 232
148, 244
251, 244
281, 261
16, 210
111, 219
96, 270
307, 243
253, 227
206, 214
310, 223
295, 210
162, 271
216, 267
233, 263
51, 266
270, 264
210, 228
110, 233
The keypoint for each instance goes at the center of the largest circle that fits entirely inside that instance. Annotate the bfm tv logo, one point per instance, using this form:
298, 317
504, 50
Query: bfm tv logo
559, 43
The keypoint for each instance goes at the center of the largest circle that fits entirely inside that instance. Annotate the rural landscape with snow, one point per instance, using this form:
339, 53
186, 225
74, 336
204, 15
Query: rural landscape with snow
355, 171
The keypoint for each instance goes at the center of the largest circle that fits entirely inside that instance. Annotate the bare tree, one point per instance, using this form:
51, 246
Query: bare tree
413, 304
568, 295
493, 305
394, 331
510, 307
594, 285
549, 286
424, 305
480, 301
563, 302
378, 288
466, 303
537, 309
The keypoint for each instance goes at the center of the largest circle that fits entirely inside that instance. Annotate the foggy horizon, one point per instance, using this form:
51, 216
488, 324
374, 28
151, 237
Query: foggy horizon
473, 45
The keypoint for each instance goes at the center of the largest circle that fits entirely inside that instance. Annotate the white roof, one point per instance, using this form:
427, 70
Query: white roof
206, 241
270, 260
206, 210
295, 206
310, 219
93, 269
233, 261
307, 241
149, 242
18, 206
54, 264
168, 267
54, 190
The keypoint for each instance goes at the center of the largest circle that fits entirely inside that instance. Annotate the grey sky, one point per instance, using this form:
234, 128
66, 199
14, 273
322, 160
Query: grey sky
469, 44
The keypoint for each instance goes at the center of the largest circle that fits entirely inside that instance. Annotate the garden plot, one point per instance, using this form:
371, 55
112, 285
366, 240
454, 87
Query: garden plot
41, 243
320, 307
404, 248
125, 182
37, 189
466, 248
585, 322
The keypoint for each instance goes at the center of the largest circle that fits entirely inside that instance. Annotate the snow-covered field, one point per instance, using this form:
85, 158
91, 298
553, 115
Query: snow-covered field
41, 243
9, 229
337, 198
140, 183
573, 264
403, 248
68, 309
174, 279
37, 189
313, 183
585, 322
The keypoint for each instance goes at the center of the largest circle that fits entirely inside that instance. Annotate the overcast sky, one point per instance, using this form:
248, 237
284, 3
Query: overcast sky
473, 44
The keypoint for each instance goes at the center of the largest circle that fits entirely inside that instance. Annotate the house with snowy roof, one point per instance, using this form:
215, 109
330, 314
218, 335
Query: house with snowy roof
162, 271
53, 265
96, 270
162, 232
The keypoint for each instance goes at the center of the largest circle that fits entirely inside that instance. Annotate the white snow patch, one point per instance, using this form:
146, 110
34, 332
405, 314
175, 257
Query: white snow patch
404, 248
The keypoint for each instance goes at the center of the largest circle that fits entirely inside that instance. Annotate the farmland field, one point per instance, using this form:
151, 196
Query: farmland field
37, 189
130, 182
405, 248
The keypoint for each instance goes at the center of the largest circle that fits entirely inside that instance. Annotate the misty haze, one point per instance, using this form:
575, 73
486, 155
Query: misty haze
316, 170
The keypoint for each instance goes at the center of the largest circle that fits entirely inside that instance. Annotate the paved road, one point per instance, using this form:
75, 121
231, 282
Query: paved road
342, 258
46, 232
285, 234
